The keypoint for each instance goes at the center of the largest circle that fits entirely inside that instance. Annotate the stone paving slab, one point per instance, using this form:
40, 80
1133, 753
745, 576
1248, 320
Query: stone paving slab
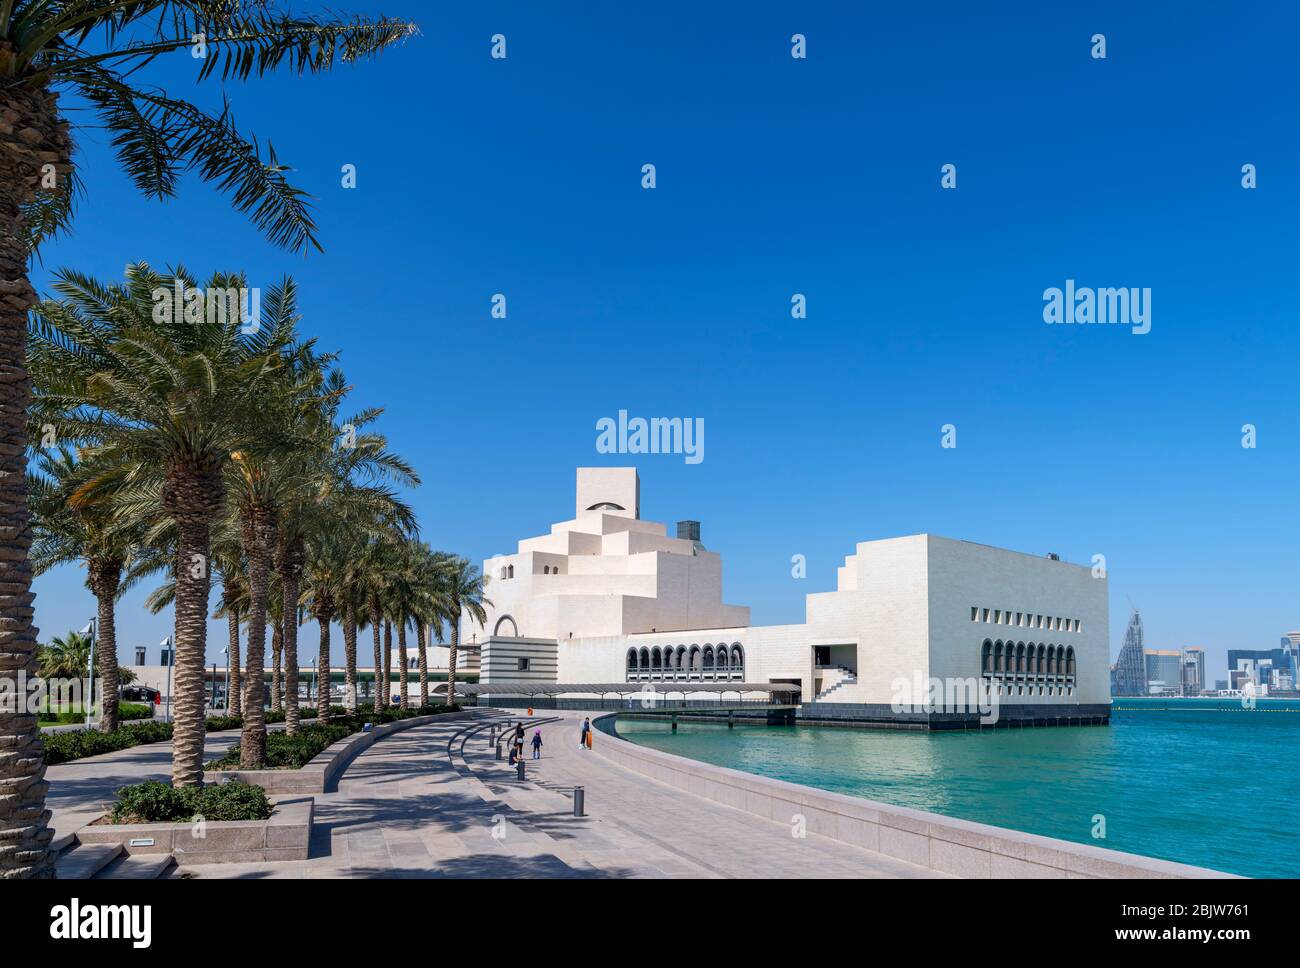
414, 806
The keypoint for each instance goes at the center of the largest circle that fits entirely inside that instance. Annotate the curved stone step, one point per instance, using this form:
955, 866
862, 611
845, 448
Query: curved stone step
85, 861
136, 867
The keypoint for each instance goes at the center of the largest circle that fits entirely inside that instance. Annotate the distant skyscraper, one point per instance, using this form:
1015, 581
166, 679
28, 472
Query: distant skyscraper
1164, 668
1130, 669
1193, 671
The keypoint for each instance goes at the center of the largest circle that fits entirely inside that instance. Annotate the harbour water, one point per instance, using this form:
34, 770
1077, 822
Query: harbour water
1203, 782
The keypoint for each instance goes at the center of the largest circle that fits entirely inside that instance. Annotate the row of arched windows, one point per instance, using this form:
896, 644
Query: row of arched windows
506, 571
1021, 662
708, 662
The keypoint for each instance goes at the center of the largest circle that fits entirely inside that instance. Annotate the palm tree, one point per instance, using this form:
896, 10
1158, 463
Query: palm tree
69, 529
164, 403
463, 591
66, 657
93, 50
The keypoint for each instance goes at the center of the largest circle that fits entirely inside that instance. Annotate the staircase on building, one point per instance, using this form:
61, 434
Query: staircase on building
840, 676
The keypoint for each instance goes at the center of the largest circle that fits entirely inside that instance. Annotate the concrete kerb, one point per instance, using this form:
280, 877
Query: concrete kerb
322, 772
945, 844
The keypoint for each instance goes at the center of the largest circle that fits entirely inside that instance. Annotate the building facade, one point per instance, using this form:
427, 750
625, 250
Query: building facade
1164, 672
621, 601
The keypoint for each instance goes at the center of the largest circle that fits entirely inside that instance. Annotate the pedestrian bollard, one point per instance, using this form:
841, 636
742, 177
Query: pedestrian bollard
519, 768
579, 801
498, 751
492, 738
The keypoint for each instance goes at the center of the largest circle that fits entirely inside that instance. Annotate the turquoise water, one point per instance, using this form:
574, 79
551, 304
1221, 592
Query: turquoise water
1198, 781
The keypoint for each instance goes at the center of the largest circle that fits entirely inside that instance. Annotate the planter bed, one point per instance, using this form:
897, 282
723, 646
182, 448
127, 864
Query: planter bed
286, 835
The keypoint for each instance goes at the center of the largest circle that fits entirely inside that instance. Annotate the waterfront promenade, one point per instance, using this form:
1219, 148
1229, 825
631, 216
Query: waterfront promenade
415, 805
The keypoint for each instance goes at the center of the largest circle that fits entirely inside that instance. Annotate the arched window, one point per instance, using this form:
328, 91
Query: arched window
1040, 668
1020, 660
680, 661
999, 660
1051, 661
737, 661
631, 661
721, 658
986, 660
696, 663
708, 658
657, 659
510, 571
1069, 663
645, 659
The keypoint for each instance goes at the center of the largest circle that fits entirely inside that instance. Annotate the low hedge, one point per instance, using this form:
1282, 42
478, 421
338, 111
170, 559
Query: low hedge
65, 717
77, 744
156, 802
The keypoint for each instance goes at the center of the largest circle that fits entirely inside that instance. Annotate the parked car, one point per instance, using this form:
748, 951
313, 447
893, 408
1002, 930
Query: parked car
140, 694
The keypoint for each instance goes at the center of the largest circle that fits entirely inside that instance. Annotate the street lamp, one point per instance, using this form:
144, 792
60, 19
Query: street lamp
225, 650
171, 661
90, 672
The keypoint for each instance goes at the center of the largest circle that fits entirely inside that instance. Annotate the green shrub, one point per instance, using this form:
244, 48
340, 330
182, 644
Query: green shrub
215, 724
156, 802
134, 710
79, 743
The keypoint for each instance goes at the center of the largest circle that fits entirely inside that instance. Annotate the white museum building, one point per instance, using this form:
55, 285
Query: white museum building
607, 597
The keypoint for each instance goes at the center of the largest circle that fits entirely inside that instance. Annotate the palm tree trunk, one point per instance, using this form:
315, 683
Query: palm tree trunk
421, 633
453, 642
290, 567
404, 662
192, 499
258, 532
234, 699
350, 660
381, 690
388, 660
277, 679
323, 671
105, 576
32, 134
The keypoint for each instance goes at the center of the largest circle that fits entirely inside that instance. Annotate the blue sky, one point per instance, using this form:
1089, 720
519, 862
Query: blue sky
819, 176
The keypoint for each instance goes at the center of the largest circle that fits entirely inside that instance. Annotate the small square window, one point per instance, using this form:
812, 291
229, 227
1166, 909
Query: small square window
1020, 619
523, 665
974, 613
997, 616
986, 614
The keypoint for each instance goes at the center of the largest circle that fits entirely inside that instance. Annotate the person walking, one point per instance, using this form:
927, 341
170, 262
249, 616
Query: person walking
537, 745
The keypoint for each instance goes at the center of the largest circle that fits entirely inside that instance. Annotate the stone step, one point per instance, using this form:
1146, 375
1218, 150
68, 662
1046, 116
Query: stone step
85, 861
136, 867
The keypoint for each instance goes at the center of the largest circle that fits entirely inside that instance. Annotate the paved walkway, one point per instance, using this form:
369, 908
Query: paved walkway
429, 802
